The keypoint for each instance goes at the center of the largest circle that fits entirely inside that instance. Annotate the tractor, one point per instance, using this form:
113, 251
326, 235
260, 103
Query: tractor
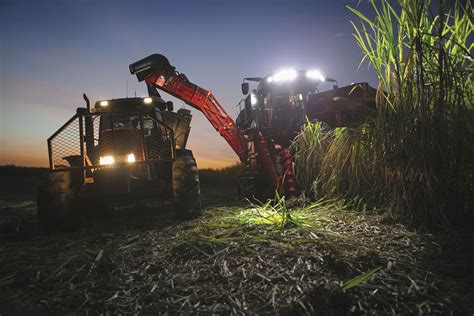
121, 150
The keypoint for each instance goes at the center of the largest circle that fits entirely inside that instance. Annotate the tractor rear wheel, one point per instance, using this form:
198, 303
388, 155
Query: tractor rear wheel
55, 204
186, 191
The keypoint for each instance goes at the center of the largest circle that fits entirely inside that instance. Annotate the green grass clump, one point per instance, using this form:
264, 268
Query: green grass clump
271, 222
416, 156
279, 214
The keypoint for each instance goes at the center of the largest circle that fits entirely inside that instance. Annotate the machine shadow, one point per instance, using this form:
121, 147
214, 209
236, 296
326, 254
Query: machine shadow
143, 215
154, 215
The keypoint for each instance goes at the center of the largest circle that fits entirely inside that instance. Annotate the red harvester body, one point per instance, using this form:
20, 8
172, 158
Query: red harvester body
273, 115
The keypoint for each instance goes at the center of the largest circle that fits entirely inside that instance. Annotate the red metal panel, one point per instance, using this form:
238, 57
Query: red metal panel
204, 101
266, 161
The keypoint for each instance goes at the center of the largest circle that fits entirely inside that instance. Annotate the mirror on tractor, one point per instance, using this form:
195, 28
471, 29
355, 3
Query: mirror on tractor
245, 88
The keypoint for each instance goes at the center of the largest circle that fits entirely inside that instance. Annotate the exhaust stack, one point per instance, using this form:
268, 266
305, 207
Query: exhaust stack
89, 127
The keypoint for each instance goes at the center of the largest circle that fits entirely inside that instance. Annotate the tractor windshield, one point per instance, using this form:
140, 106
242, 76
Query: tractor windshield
121, 134
124, 120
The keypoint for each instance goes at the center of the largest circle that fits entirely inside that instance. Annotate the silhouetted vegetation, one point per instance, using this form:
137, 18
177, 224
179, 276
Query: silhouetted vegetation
225, 177
19, 182
416, 156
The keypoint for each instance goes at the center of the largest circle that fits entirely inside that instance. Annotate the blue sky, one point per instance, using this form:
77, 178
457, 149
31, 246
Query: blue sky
53, 51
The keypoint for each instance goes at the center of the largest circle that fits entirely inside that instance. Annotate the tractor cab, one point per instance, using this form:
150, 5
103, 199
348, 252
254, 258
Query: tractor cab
128, 130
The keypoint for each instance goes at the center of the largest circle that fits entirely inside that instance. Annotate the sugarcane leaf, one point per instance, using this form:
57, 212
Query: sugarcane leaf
359, 279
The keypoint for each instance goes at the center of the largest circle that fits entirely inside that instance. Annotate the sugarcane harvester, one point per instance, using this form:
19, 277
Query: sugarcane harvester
270, 120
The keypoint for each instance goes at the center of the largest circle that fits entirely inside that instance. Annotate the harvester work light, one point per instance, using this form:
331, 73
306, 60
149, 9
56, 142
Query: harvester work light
253, 99
284, 75
315, 75
104, 103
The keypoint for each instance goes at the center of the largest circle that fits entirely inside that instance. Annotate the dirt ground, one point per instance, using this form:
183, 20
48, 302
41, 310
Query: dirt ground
141, 260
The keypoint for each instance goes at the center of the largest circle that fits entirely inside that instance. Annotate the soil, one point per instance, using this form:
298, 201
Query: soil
139, 259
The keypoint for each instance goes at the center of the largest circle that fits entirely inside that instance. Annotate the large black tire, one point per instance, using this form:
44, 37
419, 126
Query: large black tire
56, 207
186, 191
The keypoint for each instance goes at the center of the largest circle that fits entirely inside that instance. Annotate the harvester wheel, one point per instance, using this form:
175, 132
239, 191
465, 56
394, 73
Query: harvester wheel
55, 203
254, 187
186, 191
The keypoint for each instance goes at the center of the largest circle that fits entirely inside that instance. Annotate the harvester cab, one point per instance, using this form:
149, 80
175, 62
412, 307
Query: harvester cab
120, 150
277, 106
283, 99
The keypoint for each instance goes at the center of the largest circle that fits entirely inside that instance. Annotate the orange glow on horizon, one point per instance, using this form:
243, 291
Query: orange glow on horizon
211, 163
40, 159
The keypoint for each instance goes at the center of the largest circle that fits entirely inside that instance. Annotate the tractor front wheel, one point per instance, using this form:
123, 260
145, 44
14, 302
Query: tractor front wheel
186, 191
55, 203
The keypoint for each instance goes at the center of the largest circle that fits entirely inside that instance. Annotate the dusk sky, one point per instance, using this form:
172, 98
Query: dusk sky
53, 51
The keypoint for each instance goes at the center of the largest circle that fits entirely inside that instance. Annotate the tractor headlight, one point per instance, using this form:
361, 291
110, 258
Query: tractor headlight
104, 103
315, 75
106, 160
284, 75
131, 158
147, 100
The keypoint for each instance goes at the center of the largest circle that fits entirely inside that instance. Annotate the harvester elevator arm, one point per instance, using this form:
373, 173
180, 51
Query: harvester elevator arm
157, 72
